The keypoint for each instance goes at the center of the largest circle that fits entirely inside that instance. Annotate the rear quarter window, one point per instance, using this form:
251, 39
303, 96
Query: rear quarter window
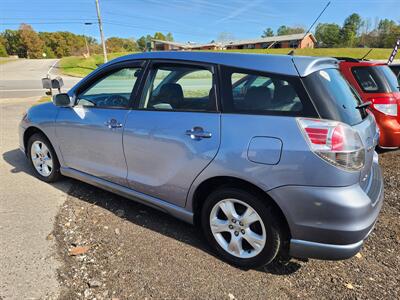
376, 79
252, 92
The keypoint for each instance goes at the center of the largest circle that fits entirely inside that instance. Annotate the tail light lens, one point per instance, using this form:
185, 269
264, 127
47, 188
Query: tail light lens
387, 106
335, 142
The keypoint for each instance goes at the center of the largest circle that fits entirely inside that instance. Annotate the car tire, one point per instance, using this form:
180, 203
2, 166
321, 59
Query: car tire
253, 253
43, 158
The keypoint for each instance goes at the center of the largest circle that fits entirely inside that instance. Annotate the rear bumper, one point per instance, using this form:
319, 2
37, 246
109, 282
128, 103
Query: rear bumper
389, 132
330, 222
307, 249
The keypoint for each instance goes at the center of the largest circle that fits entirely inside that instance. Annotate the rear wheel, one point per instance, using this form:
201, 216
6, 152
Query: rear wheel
241, 228
43, 158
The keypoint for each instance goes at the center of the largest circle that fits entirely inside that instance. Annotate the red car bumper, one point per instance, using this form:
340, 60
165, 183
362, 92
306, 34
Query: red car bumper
390, 132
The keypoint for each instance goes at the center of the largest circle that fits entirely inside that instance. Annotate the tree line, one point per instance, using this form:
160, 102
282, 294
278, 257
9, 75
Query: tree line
355, 32
25, 42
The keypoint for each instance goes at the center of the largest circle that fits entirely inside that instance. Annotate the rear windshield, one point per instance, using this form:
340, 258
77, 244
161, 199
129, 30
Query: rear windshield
333, 96
376, 79
396, 70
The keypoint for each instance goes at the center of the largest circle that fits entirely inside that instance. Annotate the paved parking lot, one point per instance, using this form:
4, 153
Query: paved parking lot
28, 207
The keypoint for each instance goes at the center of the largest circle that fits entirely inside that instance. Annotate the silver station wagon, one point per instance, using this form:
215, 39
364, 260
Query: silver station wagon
272, 156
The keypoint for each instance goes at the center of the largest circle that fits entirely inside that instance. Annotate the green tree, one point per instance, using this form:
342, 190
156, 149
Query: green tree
169, 37
63, 43
349, 32
3, 51
267, 32
388, 32
142, 42
328, 34
31, 41
115, 44
159, 36
286, 30
13, 43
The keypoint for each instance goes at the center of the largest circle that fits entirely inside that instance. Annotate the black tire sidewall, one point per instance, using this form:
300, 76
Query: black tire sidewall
55, 172
271, 224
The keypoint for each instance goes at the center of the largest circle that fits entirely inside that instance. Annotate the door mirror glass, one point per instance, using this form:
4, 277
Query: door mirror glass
62, 100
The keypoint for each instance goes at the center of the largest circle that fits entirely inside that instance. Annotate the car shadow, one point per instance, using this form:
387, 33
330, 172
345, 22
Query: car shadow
137, 213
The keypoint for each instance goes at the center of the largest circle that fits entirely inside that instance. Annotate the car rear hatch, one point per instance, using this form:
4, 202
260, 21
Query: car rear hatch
381, 87
396, 96
336, 100
367, 130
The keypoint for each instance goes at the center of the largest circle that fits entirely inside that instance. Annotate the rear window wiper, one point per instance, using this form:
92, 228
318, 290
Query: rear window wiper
364, 105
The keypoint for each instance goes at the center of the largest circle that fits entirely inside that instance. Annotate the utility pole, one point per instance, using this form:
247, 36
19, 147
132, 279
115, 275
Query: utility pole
101, 31
86, 42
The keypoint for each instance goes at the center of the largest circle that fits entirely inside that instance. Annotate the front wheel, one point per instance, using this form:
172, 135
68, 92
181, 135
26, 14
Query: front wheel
43, 158
241, 228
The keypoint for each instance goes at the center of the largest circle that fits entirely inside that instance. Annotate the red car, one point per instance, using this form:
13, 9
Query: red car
376, 83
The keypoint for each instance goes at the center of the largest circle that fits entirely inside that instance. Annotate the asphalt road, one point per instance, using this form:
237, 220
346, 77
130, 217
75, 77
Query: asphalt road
27, 212
22, 78
28, 207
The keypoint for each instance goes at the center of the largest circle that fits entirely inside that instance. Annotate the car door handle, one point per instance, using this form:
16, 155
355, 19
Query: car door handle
197, 133
111, 124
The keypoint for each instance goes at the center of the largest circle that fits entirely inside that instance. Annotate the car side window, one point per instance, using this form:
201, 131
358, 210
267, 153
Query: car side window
366, 79
263, 93
113, 91
178, 88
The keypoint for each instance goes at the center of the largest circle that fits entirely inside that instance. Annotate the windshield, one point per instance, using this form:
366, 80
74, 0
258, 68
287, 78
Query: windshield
376, 79
334, 97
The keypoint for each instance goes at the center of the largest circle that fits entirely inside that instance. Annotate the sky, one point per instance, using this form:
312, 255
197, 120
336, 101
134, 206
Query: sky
188, 20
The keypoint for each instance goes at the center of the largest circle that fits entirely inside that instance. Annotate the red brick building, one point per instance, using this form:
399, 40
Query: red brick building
159, 45
280, 41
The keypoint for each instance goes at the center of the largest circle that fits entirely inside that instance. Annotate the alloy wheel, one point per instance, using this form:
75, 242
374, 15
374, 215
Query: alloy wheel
41, 158
237, 228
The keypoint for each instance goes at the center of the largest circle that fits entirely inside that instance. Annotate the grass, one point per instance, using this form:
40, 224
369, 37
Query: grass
6, 60
79, 66
42, 99
340, 52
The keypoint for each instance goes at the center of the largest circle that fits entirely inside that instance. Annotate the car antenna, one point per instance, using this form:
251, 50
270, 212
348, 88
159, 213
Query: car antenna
291, 52
312, 25
366, 54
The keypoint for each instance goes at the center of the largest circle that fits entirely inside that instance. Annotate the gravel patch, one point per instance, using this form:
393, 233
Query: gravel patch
115, 248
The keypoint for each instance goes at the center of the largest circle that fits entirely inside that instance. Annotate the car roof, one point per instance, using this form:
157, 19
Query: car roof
362, 63
280, 64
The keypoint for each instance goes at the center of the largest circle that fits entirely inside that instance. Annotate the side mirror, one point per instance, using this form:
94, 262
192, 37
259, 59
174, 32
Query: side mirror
62, 100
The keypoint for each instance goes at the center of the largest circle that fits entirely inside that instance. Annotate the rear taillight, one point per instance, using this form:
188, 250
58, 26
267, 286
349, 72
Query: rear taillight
335, 142
387, 106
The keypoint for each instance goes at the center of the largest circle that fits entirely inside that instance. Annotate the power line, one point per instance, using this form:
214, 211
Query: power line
41, 18
45, 23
